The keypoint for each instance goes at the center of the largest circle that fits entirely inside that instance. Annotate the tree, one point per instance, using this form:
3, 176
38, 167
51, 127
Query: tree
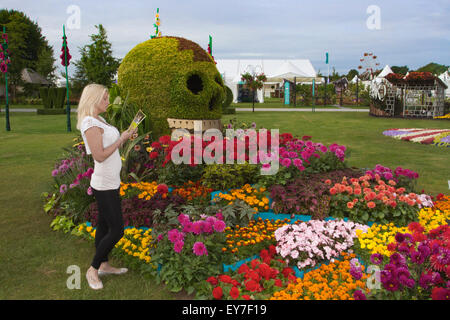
97, 64
27, 45
351, 74
254, 82
400, 70
434, 68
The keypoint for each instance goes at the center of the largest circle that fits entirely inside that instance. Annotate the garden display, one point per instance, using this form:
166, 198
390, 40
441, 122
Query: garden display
311, 231
314, 230
436, 137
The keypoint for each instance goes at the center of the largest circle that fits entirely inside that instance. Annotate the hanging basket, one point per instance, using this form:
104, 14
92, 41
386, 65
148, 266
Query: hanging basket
190, 125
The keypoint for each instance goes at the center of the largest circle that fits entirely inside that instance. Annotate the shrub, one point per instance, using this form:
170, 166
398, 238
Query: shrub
53, 98
309, 194
227, 176
172, 77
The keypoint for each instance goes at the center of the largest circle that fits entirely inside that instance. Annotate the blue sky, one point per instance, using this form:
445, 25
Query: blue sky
412, 33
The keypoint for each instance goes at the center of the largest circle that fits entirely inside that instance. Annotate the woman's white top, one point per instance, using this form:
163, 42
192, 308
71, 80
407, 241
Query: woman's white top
106, 174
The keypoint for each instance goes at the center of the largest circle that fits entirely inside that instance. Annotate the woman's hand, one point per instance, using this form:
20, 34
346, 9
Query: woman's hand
127, 134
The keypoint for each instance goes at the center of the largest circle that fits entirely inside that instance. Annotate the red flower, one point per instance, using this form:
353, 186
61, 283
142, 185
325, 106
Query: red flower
156, 145
265, 271
264, 253
217, 293
252, 274
164, 139
278, 283
306, 138
252, 285
440, 294
287, 271
162, 188
416, 227
243, 268
234, 293
246, 296
224, 278
153, 155
212, 280
254, 263
272, 250
391, 246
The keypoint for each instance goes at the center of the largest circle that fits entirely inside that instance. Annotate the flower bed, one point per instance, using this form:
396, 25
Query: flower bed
424, 136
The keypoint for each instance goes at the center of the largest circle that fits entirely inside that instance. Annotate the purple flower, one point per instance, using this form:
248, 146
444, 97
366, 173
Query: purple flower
55, 173
399, 237
391, 285
385, 276
425, 280
174, 235
199, 249
197, 227
402, 272
376, 258
397, 259
178, 246
63, 188
417, 257
356, 273
160, 237
219, 226
436, 278
89, 191
424, 250
359, 295
286, 162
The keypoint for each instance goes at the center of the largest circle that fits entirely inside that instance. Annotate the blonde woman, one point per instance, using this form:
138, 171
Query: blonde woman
102, 141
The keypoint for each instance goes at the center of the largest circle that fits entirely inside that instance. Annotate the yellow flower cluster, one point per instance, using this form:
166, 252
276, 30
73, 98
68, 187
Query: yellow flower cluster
147, 189
447, 116
137, 243
431, 218
377, 237
254, 197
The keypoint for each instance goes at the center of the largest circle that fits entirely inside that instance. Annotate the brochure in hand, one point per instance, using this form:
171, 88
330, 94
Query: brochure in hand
138, 118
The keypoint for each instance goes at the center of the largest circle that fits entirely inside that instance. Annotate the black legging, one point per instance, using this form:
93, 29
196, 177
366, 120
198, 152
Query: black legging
109, 224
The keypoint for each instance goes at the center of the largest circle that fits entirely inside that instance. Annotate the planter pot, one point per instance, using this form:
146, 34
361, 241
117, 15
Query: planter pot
190, 125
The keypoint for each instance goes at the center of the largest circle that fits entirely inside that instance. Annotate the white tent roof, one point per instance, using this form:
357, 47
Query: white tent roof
385, 72
232, 69
354, 79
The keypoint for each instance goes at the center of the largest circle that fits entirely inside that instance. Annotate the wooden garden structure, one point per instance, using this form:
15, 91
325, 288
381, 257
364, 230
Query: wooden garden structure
418, 94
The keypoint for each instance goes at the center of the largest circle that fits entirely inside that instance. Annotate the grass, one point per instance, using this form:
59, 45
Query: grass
279, 103
34, 259
362, 134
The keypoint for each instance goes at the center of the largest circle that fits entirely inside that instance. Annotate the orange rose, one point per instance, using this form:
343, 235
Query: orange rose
350, 205
371, 204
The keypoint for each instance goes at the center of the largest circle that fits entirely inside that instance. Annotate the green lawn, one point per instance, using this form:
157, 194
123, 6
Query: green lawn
34, 259
279, 103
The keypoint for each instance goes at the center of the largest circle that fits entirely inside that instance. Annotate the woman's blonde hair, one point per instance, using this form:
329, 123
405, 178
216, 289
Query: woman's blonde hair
90, 97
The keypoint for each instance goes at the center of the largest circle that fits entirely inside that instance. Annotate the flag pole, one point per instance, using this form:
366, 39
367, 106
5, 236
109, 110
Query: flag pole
69, 127
8, 126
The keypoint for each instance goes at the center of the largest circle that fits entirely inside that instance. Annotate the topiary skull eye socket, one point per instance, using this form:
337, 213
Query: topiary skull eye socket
194, 83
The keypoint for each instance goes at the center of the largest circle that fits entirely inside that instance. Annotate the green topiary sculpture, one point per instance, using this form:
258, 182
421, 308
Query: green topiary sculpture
172, 77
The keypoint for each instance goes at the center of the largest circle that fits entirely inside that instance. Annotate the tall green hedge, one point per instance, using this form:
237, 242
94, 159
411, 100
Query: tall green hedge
172, 77
226, 105
53, 98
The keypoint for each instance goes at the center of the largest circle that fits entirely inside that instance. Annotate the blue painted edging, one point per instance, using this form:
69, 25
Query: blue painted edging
298, 217
235, 266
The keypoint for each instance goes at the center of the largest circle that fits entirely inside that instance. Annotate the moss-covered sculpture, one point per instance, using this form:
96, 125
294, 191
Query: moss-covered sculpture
172, 77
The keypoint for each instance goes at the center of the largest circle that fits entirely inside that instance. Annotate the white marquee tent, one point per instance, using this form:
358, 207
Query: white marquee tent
275, 71
445, 77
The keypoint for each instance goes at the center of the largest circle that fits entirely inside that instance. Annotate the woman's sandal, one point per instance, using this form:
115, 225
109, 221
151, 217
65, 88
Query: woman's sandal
121, 271
96, 285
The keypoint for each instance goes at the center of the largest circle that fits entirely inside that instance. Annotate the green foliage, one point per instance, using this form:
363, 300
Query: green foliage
226, 109
400, 70
171, 77
434, 68
237, 213
172, 174
351, 74
97, 64
28, 47
53, 98
227, 176
62, 223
